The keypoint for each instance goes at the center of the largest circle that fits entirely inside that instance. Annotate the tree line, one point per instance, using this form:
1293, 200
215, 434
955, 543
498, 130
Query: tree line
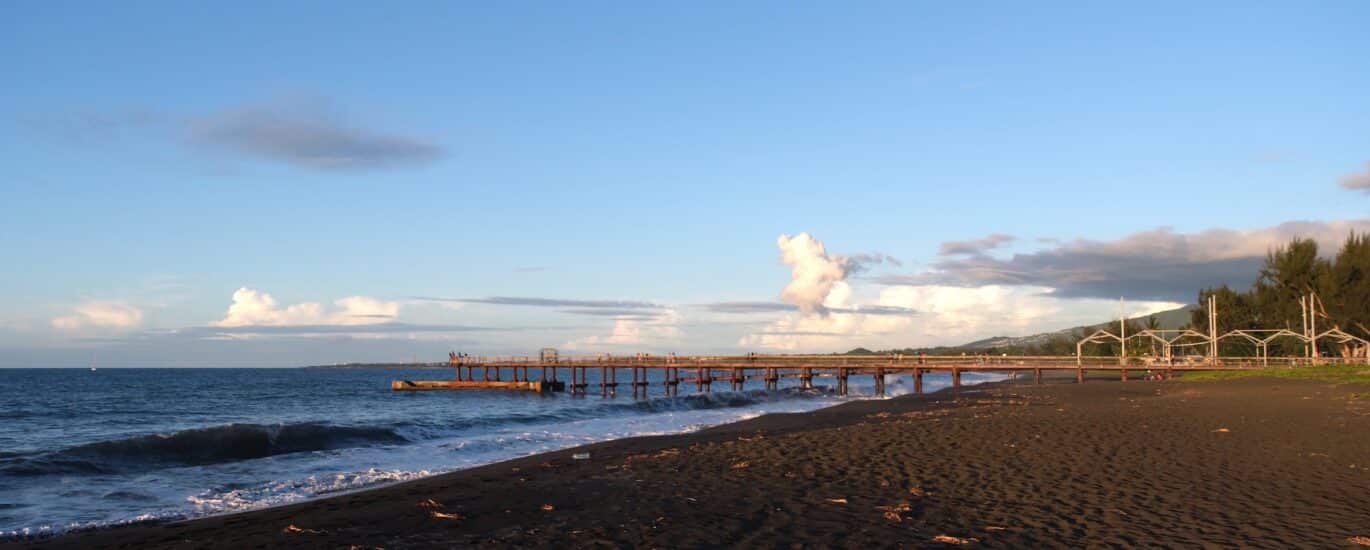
1339, 285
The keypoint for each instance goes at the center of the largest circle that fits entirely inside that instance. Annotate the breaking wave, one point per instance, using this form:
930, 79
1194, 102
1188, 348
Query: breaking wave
228, 443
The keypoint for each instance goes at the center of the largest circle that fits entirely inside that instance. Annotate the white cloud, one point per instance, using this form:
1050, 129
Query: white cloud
255, 308
814, 273
107, 315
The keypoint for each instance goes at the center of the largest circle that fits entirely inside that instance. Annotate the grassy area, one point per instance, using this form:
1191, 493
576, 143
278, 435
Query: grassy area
1336, 374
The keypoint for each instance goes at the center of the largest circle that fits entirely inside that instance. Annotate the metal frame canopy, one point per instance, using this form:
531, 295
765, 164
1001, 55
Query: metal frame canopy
1261, 338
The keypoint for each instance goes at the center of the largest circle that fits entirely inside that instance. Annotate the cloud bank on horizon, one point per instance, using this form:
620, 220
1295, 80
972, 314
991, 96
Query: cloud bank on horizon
1158, 264
830, 302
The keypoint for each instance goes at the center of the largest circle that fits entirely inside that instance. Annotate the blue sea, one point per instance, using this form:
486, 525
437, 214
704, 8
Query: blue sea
83, 449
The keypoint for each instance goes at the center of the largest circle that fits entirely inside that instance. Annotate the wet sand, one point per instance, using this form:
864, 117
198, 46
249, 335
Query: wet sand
1261, 463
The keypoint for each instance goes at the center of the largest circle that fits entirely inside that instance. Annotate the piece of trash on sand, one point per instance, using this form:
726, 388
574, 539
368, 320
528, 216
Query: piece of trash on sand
741, 465
444, 515
548, 507
948, 539
430, 504
580, 456
1359, 541
837, 500
917, 491
293, 529
893, 513
995, 528
1222, 430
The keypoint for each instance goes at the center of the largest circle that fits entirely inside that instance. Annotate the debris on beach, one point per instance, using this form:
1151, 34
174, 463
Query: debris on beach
1222, 430
895, 513
837, 501
742, 465
1359, 541
548, 508
948, 539
435, 510
917, 492
292, 529
580, 456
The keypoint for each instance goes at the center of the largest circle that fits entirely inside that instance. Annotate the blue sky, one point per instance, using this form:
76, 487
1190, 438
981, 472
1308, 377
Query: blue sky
156, 157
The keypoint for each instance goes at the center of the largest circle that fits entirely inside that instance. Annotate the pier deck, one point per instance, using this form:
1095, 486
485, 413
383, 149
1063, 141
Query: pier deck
539, 374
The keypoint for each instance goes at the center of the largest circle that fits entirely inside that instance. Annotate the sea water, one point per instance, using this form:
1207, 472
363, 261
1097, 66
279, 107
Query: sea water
85, 449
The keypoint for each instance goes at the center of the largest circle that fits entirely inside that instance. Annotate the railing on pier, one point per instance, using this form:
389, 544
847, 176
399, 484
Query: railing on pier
737, 370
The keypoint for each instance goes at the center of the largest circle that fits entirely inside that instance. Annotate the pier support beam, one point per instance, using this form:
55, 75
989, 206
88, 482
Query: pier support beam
1036, 376
1080, 376
956, 378
917, 380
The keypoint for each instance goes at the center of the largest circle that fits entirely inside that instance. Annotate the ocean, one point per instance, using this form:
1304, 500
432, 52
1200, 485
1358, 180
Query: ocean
81, 449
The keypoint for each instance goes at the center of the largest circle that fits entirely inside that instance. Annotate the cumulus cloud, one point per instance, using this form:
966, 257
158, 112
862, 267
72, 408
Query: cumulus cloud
106, 315
307, 134
255, 308
975, 247
813, 273
1159, 264
1359, 181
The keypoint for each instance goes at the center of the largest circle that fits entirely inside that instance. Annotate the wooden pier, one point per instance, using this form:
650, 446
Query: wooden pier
541, 374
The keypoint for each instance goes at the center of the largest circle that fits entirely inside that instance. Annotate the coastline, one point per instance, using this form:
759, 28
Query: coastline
1007, 464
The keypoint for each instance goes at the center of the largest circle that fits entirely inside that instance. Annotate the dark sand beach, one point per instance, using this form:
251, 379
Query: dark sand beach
1253, 462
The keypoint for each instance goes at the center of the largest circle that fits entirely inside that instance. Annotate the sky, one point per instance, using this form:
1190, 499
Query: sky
277, 184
